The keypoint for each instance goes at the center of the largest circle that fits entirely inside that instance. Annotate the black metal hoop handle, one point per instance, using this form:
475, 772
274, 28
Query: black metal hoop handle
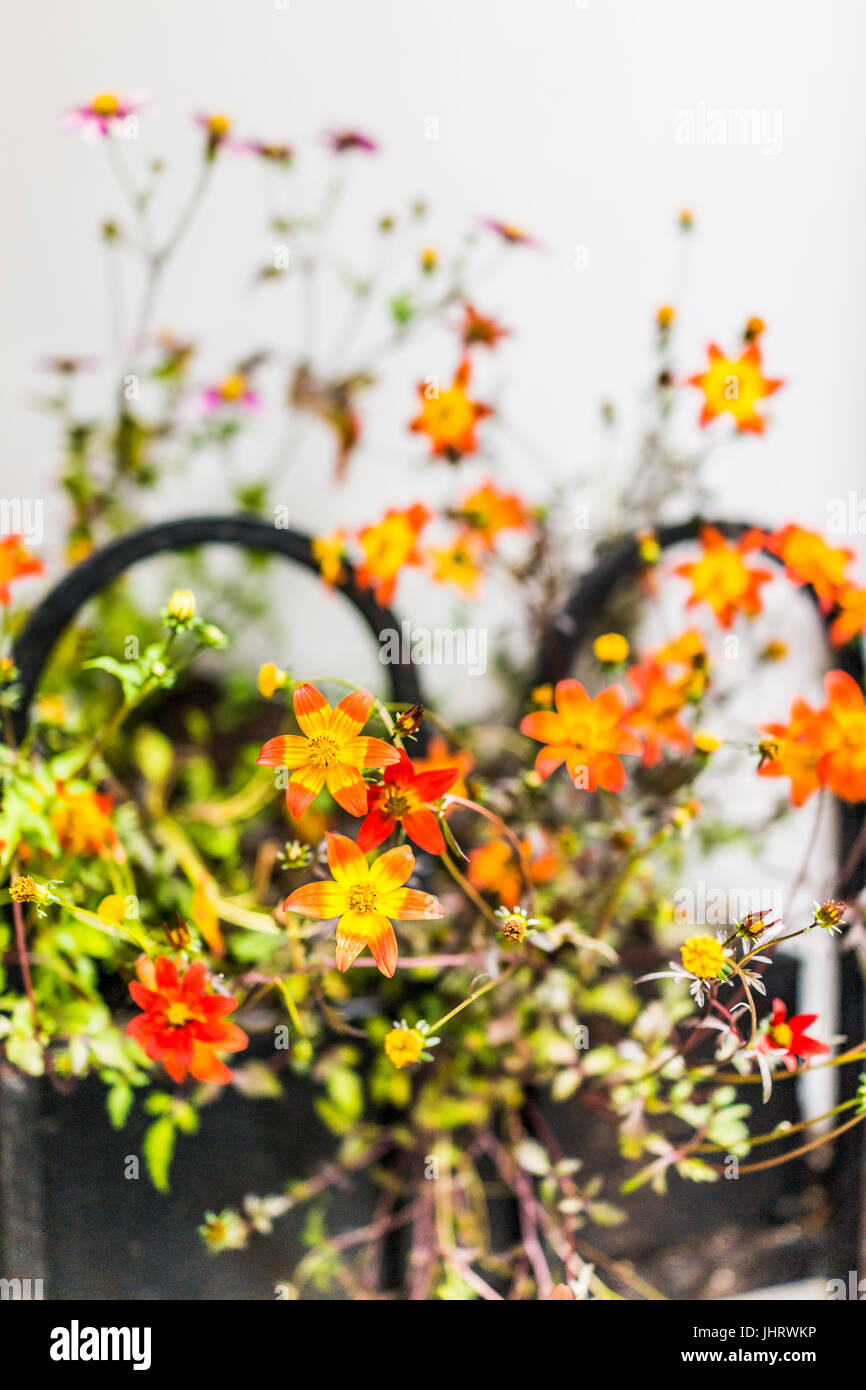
91, 576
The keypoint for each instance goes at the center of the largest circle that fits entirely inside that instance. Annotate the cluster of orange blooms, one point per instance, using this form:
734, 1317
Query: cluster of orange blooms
394, 543
724, 580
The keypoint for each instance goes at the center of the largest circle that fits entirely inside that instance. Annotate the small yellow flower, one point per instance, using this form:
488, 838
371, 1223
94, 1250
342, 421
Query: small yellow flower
648, 548
542, 696
24, 890
429, 259
702, 956
218, 125
112, 909
51, 709
271, 679
665, 315
687, 220
403, 1046
705, 742
181, 606
611, 648
754, 328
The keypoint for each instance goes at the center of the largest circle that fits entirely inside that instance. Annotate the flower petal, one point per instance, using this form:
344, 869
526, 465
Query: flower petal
288, 750
392, 868
348, 788
368, 752
374, 828
351, 714
312, 710
323, 899
543, 725
411, 905
346, 861
304, 786
423, 827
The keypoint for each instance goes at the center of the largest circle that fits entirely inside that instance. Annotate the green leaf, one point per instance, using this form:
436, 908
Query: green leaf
159, 1141
118, 1103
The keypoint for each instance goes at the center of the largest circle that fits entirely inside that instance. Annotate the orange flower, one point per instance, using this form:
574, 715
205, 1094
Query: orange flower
735, 386
797, 749
458, 565
688, 650
389, 545
364, 898
851, 616
487, 511
82, 823
15, 563
587, 735
183, 1024
494, 867
843, 765
328, 751
655, 712
449, 417
721, 577
808, 559
478, 329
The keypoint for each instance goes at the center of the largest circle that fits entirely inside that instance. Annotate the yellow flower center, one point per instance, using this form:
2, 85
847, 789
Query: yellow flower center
403, 1046
324, 750
362, 897
177, 1014
106, 104
702, 956
218, 125
396, 804
233, 387
782, 1035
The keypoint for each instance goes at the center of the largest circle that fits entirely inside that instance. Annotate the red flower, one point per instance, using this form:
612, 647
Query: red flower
183, 1024
404, 799
788, 1035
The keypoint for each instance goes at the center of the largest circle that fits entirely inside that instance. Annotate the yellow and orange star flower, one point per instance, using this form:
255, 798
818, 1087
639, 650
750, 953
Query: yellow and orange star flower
655, 713
16, 562
365, 898
588, 735
688, 650
448, 417
808, 559
487, 511
458, 565
722, 579
735, 386
389, 545
328, 751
